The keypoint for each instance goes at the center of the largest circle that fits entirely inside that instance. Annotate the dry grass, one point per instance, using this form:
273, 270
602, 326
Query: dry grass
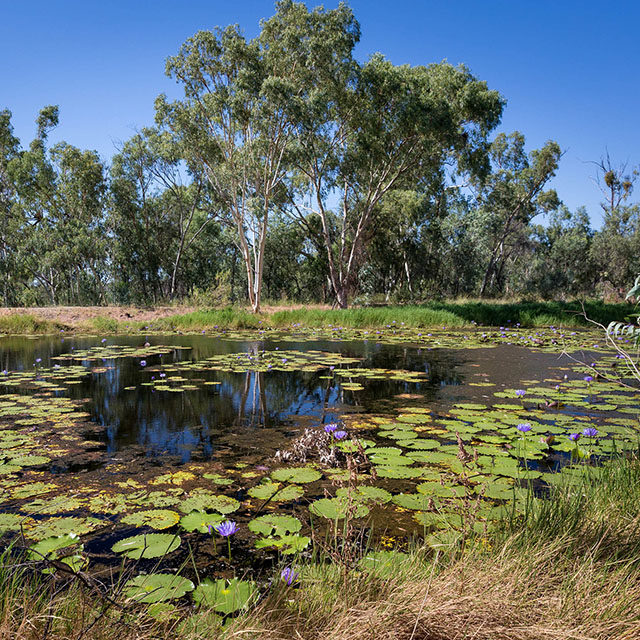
498, 594
480, 596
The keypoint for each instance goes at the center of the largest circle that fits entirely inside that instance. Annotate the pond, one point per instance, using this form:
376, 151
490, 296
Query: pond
141, 446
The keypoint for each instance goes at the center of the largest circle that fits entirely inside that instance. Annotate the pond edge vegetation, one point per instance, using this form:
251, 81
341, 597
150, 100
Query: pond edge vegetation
566, 568
433, 315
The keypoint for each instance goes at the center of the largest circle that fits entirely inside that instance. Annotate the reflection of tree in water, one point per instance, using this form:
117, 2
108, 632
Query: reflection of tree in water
223, 418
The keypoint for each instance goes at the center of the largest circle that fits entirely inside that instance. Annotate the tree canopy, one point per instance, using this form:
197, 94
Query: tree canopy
291, 169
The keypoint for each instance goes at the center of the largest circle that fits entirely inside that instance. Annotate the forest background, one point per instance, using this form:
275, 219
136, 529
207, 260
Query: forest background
288, 169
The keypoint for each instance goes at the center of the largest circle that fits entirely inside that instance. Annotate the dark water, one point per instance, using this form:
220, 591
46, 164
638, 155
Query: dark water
248, 413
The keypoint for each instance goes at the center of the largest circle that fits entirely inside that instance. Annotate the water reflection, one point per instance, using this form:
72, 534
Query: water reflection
246, 412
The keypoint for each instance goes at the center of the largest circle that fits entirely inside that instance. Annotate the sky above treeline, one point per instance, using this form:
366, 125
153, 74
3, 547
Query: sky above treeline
568, 69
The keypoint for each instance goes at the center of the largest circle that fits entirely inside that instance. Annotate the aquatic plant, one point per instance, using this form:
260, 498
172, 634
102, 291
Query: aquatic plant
150, 545
289, 576
226, 530
224, 596
157, 587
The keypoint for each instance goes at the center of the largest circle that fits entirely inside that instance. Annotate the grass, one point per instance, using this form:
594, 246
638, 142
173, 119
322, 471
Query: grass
433, 315
568, 569
27, 324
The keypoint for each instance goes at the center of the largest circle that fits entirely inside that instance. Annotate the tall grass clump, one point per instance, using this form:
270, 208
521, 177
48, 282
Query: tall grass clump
369, 318
27, 324
104, 324
227, 318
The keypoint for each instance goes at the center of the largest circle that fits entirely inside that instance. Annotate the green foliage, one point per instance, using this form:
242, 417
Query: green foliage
151, 545
155, 518
288, 169
27, 323
157, 587
296, 475
224, 597
275, 524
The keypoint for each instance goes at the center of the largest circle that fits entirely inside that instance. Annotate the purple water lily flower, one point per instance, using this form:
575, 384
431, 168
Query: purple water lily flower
38, 360
103, 340
227, 528
331, 427
588, 378
523, 427
574, 437
590, 432
339, 435
288, 576
143, 363
520, 393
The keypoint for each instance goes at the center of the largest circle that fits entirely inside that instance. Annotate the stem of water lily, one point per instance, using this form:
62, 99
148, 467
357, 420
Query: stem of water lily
229, 546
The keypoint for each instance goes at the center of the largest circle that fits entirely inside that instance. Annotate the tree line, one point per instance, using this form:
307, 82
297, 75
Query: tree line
288, 169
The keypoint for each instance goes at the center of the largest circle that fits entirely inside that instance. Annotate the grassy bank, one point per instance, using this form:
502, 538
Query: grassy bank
434, 315
568, 568
451, 315
28, 324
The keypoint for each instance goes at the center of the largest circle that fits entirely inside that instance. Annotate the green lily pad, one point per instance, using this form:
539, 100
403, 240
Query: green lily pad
13, 522
57, 504
383, 563
157, 587
155, 518
297, 475
370, 494
287, 544
209, 502
414, 501
224, 597
338, 508
49, 546
150, 545
199, 521
276, 492
275, 524
60, 526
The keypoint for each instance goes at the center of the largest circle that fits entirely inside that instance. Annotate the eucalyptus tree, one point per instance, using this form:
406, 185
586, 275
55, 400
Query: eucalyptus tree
165, 192
558, 263
52, 234
9, 148
75, 233
236, 116
33, 180
510, 197
616, 248
384, 127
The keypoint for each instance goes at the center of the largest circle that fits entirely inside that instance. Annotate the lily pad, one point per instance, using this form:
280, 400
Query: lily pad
224, 597
155, 518
150, 545
276, 492
296, 475
157, 587
338, 508
209, 502
275, 524
199, 521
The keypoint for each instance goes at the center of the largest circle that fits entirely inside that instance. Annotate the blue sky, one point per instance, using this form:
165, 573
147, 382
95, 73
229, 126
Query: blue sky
568, 69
